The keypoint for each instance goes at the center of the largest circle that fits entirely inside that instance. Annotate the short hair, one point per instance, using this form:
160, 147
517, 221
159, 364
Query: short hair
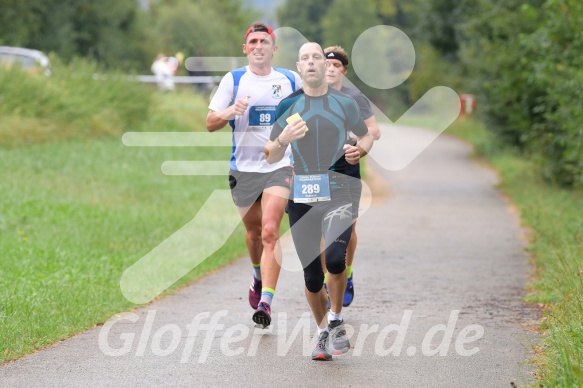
260, 27
337, 52
323, 53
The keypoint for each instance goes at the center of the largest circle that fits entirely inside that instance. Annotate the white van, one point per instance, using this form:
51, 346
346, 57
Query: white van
29, 60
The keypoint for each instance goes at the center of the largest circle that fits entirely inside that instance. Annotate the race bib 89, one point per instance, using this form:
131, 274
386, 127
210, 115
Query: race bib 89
262, 116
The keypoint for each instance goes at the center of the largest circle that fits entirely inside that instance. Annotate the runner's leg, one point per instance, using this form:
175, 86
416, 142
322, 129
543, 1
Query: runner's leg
273, 204
251, 216
336, 228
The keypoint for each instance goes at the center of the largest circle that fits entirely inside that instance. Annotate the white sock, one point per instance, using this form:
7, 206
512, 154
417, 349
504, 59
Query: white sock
320, 331
332, 316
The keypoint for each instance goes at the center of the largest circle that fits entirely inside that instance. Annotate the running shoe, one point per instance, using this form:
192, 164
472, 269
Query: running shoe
255, 293
338, 340
320, 353
328, 295
348, 293
262, 316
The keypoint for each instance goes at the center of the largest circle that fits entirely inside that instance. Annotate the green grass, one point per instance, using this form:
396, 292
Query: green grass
78, 208
554, 217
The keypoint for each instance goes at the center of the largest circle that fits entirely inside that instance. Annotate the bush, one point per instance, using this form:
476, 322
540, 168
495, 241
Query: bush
70, 103
559, 71
527, 69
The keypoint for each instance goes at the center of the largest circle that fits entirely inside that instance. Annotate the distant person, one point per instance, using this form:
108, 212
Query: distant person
164, 69
321, 198
246, 99
338, 60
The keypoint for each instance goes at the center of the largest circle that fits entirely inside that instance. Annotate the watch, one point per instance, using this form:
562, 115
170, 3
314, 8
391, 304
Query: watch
281, 145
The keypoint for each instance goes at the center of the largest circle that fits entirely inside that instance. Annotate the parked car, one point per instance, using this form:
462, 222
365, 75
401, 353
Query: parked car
27, 59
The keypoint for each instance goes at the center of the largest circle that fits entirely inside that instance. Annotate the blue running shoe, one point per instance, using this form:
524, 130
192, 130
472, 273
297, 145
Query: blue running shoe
348, 293
328, 295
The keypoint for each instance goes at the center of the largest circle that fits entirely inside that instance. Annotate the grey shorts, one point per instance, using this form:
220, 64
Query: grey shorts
247, 187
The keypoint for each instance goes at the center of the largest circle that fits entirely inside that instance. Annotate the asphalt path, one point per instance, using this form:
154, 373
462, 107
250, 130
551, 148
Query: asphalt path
440, 276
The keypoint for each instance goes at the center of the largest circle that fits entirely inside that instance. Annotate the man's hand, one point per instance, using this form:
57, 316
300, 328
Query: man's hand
217, 120
274, 150
292, 132
352, 154
241, 106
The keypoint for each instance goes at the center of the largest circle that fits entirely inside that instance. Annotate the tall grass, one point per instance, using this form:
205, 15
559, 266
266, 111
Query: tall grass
554, 217
70, 103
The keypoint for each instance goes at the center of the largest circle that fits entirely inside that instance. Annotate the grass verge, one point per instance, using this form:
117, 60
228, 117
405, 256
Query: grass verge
78, 207
554, 217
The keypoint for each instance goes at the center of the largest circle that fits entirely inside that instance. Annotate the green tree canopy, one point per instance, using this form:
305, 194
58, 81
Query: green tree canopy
304, 16
98, 29
118, 33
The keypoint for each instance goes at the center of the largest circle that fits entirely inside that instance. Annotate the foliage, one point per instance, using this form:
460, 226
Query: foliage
305, 16
559, 71
499, 66
196, 29
438, 26
524, 58
98, 29
335, 32
432, 70
69, 104
118, 34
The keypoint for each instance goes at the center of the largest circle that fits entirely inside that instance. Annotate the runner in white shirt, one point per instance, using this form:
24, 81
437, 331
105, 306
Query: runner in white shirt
246, 99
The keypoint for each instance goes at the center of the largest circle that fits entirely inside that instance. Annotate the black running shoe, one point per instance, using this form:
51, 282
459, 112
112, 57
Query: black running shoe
320, 353
262, 316
338, 340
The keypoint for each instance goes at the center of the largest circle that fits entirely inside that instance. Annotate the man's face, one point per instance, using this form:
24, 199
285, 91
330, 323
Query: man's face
335, 72
259, 49
312, 64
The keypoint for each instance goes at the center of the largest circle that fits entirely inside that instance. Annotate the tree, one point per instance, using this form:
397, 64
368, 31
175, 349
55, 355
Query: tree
525, 63
119, 33
338, 32
17, 22
438, 21
305, 16
558, 70
70, 27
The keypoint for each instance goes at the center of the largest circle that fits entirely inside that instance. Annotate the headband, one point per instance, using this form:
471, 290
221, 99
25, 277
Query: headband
336, 55
260, 29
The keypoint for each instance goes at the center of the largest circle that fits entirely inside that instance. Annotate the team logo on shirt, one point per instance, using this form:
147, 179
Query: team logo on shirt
276, 91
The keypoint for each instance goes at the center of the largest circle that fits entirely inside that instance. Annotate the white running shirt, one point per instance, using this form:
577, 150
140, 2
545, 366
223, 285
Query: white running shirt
251, 131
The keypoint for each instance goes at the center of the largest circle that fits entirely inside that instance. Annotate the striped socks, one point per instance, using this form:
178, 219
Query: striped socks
267, 295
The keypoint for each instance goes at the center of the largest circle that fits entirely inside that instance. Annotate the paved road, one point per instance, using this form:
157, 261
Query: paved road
439, 274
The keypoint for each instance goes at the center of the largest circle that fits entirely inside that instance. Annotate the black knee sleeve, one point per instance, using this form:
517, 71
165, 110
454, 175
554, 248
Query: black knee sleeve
314, 276
336, 252
336, 258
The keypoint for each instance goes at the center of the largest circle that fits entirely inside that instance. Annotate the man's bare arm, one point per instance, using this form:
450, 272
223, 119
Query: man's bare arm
218, 120
353, 154
373, 127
